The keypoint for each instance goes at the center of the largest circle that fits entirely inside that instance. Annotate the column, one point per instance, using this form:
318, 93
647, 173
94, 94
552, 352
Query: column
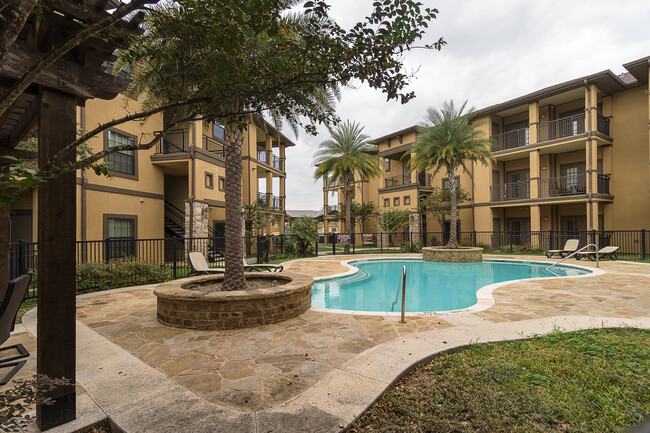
592, 216
414, 176
56, 329
534, 173
533, 121
197, 130
535, 226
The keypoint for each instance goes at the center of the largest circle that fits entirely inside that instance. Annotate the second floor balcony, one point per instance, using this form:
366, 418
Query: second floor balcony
562, 186
331, 209
178, 141
273, 201
510, 191
563, 128
423, 179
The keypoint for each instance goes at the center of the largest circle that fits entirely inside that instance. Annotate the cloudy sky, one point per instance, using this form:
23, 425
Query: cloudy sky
496, 50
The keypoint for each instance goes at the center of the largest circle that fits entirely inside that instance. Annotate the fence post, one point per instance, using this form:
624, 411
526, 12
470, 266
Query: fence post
334, 243
174, 239
22, 267
354, 244
474, 238
510, 240
593, 237
282, 244
381, 242
642, 244
106, 249
317, 246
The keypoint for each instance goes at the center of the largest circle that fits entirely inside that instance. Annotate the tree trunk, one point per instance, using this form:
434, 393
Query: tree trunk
234, 275
453, 218
348, 214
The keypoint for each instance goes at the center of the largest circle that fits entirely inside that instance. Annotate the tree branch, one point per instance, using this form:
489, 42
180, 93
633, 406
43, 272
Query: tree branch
20, 85
14, 25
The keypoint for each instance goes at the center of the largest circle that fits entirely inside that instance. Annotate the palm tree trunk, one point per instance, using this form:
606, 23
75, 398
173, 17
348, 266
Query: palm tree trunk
348, 214
234, 275
453, 218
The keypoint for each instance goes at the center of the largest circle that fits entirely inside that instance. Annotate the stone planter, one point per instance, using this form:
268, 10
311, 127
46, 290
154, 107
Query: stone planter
444, 254
185, 304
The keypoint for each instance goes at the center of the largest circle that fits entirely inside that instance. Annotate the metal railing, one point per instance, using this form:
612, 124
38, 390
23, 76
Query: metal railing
331, 209
262, 155
213, 146
511, 139
563, 185
174, 141
560, 128
402, 179
510, 191
403, 290
602, 124
277, 162
574, 253
603, 183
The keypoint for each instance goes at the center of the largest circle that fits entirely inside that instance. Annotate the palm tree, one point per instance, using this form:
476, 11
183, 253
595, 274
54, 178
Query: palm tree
344, 157
447, 140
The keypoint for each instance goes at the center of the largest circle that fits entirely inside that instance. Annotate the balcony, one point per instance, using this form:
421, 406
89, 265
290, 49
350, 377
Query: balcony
510, 191
563, 186
555, 130
266, 157
331, 210
424, 179
511, 139
213, 146
174, 141
273, 201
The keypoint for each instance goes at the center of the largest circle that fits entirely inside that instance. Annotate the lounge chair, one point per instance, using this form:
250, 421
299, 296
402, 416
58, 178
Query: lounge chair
570, 246
602, 253
8, 311
200, 265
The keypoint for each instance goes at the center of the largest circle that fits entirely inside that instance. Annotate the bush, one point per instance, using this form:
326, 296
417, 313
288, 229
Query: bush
434, 241
411, 247
119, 273
304, 231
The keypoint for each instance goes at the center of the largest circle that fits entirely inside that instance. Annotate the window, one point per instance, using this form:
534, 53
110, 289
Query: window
407, 200
218, 131
395, 201
119, 232
386, 164
209, 180
386, 202
445, 183
222, 183
124, 161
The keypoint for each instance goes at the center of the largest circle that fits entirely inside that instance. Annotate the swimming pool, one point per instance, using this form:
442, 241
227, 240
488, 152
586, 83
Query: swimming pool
430, 286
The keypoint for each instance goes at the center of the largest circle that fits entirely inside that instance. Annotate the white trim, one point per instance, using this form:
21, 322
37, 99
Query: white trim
484, 298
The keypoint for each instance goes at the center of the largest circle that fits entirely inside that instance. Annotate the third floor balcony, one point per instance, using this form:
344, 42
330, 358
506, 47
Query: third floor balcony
564, 128
562, 186
267, 157
423, 179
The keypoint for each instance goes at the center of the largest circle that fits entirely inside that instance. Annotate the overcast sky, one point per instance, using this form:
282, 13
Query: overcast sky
496, 50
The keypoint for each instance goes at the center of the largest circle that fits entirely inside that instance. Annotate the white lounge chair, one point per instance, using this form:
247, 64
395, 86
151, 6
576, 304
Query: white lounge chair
604, 252
200, 265
570, 246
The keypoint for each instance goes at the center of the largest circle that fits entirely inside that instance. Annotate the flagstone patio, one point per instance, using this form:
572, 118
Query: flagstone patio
271, 369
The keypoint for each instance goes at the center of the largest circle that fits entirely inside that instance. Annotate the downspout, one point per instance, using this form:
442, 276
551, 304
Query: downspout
590, 156
84, 184
472, 198
192, 187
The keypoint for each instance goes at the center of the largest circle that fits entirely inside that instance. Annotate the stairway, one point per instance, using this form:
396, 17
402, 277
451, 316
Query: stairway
173, 229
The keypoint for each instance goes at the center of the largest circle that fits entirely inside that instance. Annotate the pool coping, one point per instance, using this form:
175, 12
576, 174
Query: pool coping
484, 297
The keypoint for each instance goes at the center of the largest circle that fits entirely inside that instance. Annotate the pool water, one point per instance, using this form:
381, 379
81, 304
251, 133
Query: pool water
430, 286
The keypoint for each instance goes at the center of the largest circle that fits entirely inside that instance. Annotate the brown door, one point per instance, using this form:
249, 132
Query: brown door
573, 179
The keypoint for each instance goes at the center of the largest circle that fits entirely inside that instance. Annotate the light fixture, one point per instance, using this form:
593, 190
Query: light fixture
543, 167
545, 218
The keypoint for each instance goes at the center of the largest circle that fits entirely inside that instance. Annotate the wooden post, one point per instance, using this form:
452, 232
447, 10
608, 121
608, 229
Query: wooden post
56, 259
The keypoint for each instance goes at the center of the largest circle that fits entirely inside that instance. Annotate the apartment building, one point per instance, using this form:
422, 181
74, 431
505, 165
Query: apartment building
176, 188
571, 157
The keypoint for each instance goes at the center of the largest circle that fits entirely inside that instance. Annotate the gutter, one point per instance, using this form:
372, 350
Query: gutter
192, 188
590, 156
84, 184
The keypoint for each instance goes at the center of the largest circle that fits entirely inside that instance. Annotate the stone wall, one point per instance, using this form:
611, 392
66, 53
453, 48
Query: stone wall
443, 254
182, 308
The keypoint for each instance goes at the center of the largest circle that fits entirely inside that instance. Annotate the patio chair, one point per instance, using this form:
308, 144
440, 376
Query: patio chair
260, 267
16, 292
200, 265
604, 252
368, 239
570, 246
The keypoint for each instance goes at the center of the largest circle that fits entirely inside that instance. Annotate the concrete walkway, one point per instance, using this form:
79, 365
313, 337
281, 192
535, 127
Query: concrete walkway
146, 377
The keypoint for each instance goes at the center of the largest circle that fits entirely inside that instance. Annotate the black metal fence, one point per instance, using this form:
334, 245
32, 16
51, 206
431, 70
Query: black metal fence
125, 262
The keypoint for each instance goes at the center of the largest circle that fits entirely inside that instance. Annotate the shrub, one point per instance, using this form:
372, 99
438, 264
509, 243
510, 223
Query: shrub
119, 273
304, 231
411, 247
434, 240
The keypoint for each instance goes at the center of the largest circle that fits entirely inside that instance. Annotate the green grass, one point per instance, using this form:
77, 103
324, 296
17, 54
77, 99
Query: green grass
586, 381
27, 305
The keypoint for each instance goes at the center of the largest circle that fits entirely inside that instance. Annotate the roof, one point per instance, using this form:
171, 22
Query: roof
301, 213
394, 134
607, 81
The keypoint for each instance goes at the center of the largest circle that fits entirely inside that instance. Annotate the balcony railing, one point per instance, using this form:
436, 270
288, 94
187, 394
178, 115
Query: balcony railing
174, 141
560, 128
511, 139
213, 146
277, 162
267, 157
271, 200
332, 209
510, 191
262, 155
603, 184
602, 124
563, 186
424, 179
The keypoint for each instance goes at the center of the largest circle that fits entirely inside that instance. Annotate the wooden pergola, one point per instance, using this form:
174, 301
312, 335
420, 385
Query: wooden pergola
47, 109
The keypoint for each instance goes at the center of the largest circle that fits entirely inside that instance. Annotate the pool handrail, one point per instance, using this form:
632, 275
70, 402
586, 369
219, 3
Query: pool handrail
573, 254
403, 320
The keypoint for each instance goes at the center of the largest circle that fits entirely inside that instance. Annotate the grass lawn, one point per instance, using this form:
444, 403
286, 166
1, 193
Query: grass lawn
585, 381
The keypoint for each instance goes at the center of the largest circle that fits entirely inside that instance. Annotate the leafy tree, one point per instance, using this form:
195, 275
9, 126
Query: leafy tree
438, 203
365, 212
258, 217
447, 140
343, 158
305, 231
392, 220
